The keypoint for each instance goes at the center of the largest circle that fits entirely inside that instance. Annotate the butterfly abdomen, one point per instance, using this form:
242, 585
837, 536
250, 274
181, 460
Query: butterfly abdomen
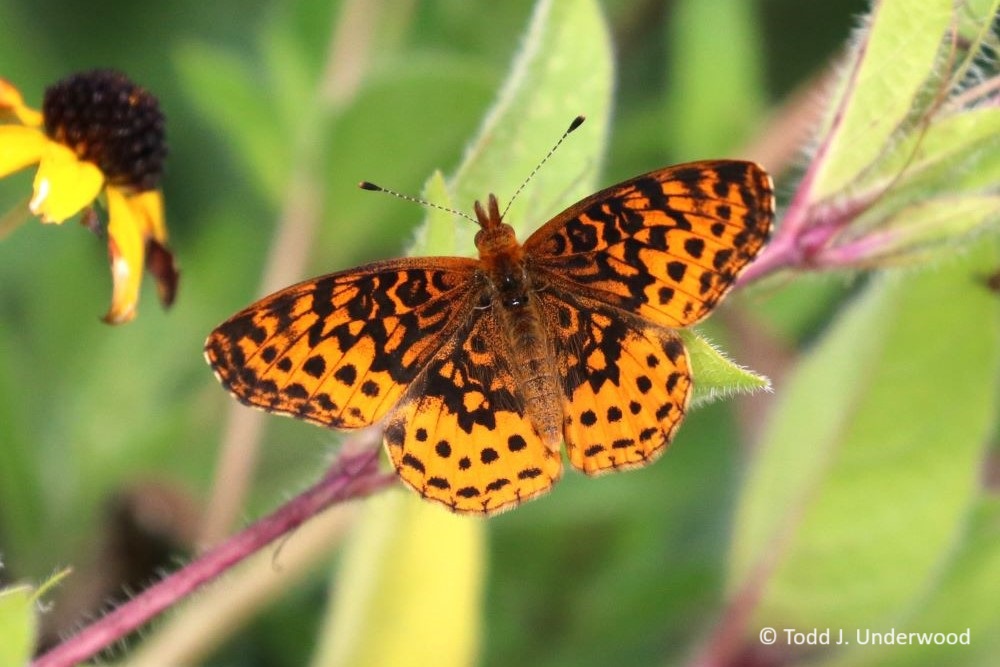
524, 331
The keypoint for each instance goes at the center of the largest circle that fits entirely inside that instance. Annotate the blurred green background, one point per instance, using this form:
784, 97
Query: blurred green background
628, 569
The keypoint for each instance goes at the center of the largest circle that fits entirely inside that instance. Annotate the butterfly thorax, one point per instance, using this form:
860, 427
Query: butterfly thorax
509, 293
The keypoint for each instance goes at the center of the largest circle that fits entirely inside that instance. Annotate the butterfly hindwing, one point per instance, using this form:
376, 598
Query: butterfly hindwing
462, 434
625, 383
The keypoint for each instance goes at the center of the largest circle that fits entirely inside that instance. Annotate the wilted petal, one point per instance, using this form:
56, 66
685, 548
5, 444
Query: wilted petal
63, 184
20, 147
160, 262
126, 247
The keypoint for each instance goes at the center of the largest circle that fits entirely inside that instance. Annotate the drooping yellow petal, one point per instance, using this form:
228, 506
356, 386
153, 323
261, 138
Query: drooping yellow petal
126, 250
148, 206
11, 102
19, 147
148, 210
64, 184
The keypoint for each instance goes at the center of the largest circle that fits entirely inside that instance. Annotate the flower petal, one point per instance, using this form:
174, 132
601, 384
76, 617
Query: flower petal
148, 210
160, 262
148, 206
19, 147
12, 102
126, 250
64, 184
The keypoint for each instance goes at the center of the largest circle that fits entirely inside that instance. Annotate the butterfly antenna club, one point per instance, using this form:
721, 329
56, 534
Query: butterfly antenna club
368, 185
577, 122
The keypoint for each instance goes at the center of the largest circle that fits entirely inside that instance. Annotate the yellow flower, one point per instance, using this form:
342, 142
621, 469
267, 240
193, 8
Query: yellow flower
97, 134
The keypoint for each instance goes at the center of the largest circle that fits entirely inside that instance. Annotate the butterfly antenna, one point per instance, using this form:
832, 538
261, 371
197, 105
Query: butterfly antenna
577, 122
365, 185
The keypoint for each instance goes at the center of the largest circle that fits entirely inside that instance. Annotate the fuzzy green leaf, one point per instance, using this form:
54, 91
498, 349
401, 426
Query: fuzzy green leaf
715, 375
18, 625
917, 231
872, 459
437, 234
939, 158
552, 81
974, 27
898, 56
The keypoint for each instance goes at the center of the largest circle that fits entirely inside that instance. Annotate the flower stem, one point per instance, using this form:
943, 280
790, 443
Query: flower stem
354, 474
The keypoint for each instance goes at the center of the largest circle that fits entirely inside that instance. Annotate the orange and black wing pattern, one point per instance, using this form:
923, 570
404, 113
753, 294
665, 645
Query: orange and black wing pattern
424, 347
340, 350
625, 382
666, 246
463, 435
618, 272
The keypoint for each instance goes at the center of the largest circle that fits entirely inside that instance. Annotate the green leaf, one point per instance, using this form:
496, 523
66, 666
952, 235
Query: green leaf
438, 230
939, 158
715, 375
409, 589
934, 180
917, 231
872, 459
18, 625
564, 69
965, 599
974, 19
892, 65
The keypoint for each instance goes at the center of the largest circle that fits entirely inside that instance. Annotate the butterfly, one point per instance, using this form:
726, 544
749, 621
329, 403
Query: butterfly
481, 370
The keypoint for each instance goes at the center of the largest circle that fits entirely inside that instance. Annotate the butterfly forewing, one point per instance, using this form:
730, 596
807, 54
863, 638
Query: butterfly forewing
666, 246
340, 350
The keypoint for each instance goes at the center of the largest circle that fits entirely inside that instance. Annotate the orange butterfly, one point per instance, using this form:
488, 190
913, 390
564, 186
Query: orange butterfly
481, 368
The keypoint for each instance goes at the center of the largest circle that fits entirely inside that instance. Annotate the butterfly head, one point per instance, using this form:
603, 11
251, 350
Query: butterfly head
495, 237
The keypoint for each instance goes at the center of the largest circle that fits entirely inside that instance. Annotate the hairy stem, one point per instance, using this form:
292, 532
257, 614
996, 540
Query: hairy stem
354, 474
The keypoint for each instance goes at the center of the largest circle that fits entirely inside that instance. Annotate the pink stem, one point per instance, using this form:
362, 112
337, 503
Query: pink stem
786, 249
856, 252
353, 475
803, 239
